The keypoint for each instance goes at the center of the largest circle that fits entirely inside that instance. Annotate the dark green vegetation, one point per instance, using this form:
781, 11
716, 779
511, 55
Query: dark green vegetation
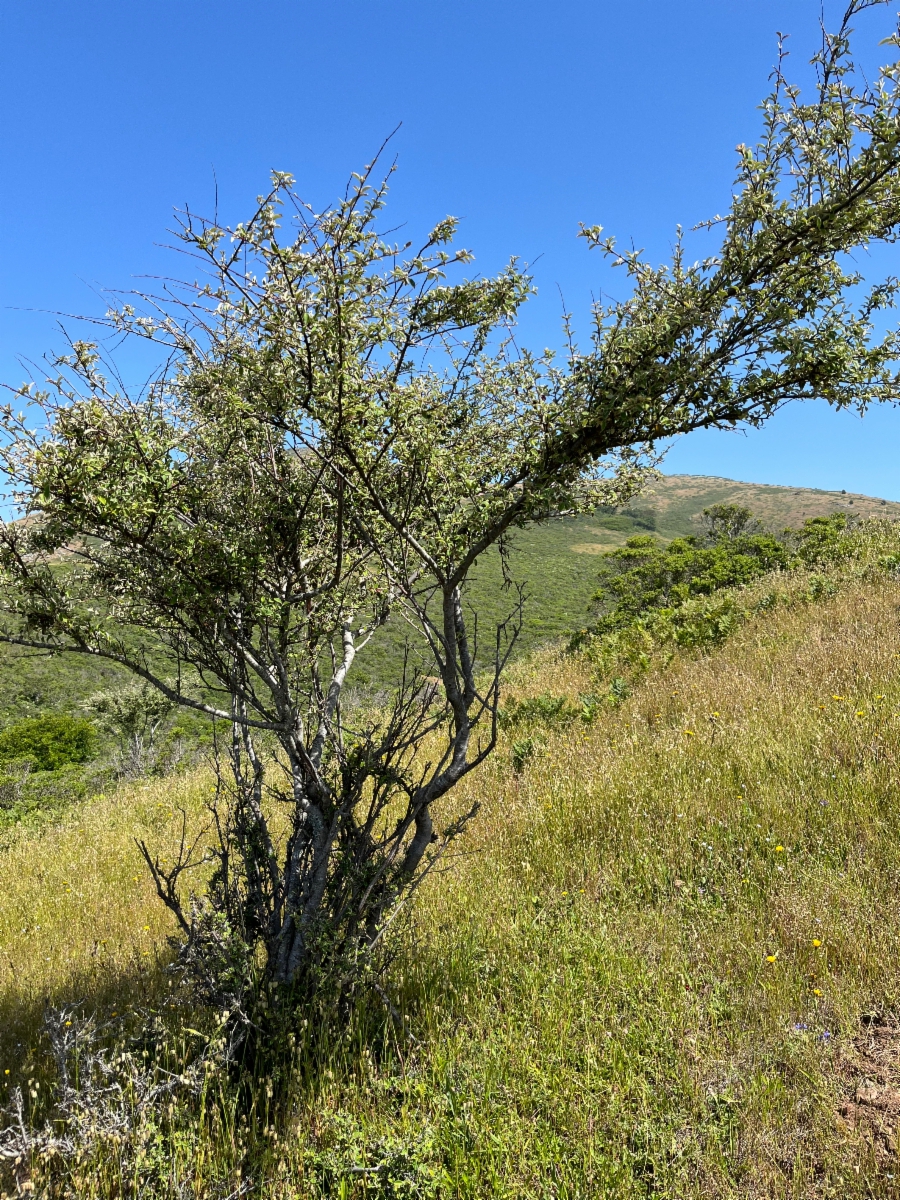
45, 766
646, 576
32, 683
48, 742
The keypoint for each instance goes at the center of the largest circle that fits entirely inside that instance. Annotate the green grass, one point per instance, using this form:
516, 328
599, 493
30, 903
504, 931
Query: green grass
556, 563
665, 960
559, 579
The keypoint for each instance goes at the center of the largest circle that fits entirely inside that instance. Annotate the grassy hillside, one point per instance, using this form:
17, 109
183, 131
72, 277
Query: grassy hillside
665, 960
555, 562
676, 502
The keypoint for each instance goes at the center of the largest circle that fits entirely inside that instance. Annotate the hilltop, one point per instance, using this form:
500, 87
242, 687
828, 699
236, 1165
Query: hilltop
557, 562
677, 501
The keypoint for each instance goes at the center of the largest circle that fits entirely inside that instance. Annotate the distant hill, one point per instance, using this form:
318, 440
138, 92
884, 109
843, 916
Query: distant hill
556, 562
676, 502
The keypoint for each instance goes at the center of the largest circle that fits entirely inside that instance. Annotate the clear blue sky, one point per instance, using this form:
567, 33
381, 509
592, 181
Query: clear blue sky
520, 118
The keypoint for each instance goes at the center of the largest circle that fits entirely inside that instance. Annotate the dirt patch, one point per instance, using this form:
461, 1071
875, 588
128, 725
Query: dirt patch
594, 547
870, 1069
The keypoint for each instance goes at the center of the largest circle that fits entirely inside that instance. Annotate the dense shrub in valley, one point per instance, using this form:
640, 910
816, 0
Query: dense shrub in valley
50, 741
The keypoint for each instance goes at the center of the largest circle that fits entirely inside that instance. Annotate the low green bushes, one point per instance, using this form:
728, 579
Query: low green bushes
50, 741
45, 765
655, 599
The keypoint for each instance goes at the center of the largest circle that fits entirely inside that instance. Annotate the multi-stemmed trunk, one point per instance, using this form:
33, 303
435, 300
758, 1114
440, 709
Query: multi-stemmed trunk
290, 911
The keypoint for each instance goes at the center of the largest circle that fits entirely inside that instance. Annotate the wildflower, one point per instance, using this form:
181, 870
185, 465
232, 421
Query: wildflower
817, 942
860, 713
817, 991
771, 957
779, 849
838, 697
689, 733
6, 1072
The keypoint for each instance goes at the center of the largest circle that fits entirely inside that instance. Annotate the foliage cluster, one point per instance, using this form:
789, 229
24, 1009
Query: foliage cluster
45, 765
645, 576
55, 759
689, 593
137, 714
49, 742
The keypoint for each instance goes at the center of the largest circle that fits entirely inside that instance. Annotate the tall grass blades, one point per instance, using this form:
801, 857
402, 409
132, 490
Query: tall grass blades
662, 962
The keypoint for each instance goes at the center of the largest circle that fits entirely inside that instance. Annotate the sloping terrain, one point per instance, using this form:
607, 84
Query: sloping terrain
664, 961
676, 502
555, 563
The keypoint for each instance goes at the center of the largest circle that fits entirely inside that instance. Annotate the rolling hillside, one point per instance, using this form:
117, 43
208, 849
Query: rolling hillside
555, 562
676, 502
664, 962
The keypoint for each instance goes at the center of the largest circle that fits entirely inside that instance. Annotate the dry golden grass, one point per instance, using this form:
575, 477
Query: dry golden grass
79, 918
651, 967
686, 854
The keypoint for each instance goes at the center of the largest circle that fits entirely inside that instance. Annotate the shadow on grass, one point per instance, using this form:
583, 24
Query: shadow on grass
115, 994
